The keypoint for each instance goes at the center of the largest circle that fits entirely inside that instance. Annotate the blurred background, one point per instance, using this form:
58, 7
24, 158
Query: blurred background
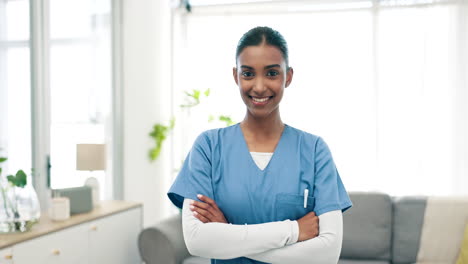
383, 82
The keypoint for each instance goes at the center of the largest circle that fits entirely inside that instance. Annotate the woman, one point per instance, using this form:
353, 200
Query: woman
256, 191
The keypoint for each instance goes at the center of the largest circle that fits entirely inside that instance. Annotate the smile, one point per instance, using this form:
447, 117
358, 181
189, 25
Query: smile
260, 100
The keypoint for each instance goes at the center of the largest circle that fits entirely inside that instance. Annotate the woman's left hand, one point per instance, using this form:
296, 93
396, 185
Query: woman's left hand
207, 211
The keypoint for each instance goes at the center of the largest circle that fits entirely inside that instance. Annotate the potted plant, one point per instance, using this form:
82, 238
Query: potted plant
19, 205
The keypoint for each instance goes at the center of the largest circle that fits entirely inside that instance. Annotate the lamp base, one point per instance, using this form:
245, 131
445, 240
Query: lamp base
94, 184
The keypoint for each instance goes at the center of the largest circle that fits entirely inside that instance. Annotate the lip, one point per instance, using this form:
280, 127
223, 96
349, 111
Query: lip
260, 103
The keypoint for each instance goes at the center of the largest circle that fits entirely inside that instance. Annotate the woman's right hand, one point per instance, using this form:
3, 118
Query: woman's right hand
308, 226
207, 211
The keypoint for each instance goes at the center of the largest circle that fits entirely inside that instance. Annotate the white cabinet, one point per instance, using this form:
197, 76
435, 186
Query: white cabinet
66, 246
108, 235
114, 239
6, 256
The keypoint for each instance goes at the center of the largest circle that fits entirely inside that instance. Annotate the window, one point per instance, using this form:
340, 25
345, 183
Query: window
15, 85
80, 85
383, 82
75, 99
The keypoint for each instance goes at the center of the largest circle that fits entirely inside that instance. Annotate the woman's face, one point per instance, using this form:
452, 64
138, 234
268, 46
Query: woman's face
261, 75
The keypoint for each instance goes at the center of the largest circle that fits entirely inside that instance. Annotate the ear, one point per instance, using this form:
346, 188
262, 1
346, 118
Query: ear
234, 74
289, 76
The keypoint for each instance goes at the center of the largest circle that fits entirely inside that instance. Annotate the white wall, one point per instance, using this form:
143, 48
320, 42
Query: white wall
146, 100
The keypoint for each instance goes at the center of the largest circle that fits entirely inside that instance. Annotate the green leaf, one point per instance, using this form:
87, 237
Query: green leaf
19, 180
154, 153
207, 92
158, 130
192, 99
11, 179
226, 119
3, 159
196, 94
159, 134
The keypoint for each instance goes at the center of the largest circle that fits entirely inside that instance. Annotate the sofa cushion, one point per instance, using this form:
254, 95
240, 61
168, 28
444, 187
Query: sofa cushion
367, 227
463, 255
408, 218
163, 243
353, 261
442, 232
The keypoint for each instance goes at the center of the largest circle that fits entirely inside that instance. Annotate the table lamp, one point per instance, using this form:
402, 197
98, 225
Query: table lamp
91, 157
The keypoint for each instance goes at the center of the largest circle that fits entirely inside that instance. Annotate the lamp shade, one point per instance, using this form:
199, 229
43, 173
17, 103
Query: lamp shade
90, 157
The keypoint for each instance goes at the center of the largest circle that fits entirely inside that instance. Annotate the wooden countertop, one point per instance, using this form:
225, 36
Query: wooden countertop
46, 225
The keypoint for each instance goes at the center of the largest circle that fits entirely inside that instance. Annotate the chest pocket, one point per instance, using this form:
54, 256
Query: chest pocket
291, 206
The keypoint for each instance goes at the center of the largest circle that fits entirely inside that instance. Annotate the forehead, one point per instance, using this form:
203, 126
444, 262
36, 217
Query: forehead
261, 55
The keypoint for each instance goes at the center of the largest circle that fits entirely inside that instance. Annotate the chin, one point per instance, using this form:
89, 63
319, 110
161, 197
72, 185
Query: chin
259, 114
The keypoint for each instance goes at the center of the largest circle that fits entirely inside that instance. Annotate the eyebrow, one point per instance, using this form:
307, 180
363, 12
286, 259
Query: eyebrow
266, 67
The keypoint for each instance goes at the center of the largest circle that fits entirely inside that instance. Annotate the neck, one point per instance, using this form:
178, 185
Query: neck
264, 126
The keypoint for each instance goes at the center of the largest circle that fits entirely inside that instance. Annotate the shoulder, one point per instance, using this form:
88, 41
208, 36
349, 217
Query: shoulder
212, 137
309, 143
304, 137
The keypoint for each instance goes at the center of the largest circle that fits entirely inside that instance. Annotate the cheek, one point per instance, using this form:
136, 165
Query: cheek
277, 85
244, 85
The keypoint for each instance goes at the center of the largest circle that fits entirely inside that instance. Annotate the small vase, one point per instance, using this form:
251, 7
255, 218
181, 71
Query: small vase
19, 208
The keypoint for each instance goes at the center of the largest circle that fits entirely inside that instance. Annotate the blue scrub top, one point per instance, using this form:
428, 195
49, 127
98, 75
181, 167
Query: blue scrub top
221, 167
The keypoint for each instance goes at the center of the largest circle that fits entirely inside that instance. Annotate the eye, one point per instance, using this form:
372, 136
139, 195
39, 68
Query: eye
247, 74
272, 73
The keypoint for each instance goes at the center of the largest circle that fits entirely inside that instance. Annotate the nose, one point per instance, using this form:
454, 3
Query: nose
259, 87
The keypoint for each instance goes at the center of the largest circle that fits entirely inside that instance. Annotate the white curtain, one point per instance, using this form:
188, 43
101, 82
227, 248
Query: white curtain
383, 82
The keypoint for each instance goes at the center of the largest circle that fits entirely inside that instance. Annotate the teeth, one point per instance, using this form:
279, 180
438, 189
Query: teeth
260, 100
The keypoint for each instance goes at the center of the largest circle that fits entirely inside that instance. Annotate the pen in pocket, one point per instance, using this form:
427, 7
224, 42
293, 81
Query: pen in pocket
306, 195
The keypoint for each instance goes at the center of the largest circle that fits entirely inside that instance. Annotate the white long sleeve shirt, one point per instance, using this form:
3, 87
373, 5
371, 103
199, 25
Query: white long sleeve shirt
274, 242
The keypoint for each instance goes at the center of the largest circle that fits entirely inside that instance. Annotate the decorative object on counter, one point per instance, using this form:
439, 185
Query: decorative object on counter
59, 208
94, 184
81, 200
91, 157
19, 205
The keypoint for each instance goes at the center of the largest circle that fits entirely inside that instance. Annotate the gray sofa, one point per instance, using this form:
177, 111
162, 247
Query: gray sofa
378, 229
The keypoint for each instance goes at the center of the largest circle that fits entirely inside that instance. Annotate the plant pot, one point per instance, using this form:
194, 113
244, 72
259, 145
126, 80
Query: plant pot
19, 208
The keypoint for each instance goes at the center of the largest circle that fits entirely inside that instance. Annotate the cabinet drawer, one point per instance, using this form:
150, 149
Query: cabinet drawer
113, 239
6, 256
65, 246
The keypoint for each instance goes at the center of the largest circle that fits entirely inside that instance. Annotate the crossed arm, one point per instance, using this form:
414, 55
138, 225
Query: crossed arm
207, 234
